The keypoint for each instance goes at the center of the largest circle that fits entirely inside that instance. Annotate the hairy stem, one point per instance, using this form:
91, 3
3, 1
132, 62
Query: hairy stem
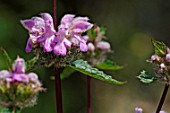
88, 94
59, 106
162, 98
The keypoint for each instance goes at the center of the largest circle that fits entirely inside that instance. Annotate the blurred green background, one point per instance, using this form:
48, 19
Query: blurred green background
130, 26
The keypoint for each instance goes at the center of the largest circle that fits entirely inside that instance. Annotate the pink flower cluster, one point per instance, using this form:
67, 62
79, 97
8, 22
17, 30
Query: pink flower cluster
43, 34
18, 73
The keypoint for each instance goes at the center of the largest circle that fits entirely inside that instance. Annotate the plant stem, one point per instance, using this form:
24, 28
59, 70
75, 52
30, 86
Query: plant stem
57, 69
88, 94
58, 89
55, 13
162, 98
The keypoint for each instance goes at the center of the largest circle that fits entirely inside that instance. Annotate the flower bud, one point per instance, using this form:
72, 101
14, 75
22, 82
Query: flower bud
4, 74
103, 45
162, 66
19, 65
138, 110
167, 57
155, 58
91, 47
33, 77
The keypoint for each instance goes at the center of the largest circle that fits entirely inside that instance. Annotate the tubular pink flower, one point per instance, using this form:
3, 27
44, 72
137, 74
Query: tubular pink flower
60, 49
40, 29
167, 57
19, 77
4, 74
18, 73
19, 65
91, 47
71, 28
42, 32
33, 77
103, 45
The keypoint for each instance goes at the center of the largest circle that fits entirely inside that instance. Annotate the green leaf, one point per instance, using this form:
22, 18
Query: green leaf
9, 61
31, 64
83, 67
92, 34
4, 110
159, 47
145, 77
67, 72
108, 65
103, 30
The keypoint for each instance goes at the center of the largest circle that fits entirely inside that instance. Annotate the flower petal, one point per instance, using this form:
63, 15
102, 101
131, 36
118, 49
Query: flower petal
48, 45
20, 77
19, 65
28, 24
60, 49
80, 19
102, 45
91, 47
74, 41
4, 74
67, 18
82, 26
29, 46
83, 46
48, 23
33, 77
67, 43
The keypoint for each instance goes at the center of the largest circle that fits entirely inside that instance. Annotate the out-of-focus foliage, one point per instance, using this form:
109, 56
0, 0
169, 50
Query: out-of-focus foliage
130, 26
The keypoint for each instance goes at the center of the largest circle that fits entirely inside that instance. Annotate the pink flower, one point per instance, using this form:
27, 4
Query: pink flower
69, 29
41, 31
18, 72
102, 45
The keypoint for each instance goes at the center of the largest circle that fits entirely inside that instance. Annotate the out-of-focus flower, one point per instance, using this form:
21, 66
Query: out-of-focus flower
91, 47
97, 45
155, 58
18, 72
162, 112
41, 32
162, 66
138, 110
167, 57
23, 88
102, 45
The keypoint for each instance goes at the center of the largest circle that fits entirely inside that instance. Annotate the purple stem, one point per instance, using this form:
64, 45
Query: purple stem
55, 13
162, 98
59, 106
88, 94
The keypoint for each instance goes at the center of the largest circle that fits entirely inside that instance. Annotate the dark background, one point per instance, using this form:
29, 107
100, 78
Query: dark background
130, 26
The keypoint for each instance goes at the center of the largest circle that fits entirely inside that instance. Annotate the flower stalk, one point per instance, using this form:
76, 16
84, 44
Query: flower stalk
58, 89
59, 106
162, 98
55, 13
88, 94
